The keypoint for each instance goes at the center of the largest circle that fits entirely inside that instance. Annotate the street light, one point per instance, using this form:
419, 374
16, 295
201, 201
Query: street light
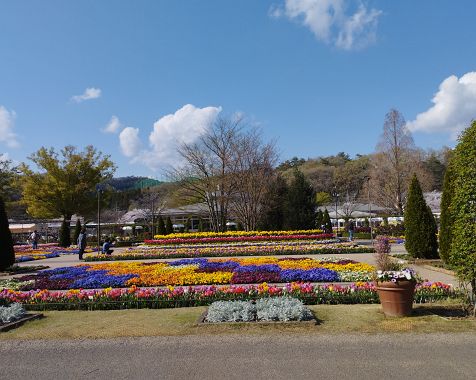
98, 189
370, 210
335, 194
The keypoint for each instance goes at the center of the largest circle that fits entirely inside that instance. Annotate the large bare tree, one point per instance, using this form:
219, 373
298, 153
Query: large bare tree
254, 170
394, 163
226, 169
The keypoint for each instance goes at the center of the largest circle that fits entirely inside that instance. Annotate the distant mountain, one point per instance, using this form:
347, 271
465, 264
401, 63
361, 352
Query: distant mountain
133, 183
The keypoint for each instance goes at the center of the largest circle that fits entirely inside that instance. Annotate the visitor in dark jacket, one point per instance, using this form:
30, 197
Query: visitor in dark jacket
82, 243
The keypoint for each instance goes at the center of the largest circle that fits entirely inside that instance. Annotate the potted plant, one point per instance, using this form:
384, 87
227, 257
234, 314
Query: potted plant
395, 285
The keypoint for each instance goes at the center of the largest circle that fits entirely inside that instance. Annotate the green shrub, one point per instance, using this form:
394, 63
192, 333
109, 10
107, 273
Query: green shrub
463, 209
446, 217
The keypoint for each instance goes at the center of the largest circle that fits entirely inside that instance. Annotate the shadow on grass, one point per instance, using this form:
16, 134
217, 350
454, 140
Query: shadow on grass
453, 311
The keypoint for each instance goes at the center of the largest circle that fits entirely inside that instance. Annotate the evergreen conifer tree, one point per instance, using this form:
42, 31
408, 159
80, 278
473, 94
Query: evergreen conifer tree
327, 222
77, 230
161, 226
64, 234
300, 212
319, 219
446, 217
420, 226
463, 209
273, 210
169, 228
7, 254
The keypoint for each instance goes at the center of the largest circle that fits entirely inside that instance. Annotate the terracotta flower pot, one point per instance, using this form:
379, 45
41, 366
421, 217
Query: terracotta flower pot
396, 298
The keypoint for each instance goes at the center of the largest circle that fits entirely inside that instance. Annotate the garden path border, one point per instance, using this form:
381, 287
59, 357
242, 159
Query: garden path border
19, 322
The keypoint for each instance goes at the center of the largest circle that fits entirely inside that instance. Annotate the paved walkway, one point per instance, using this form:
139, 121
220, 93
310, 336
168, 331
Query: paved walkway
296, 356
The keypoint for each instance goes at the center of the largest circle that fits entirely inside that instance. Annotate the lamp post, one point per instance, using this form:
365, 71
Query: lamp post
98, 189
335, 194
370, 210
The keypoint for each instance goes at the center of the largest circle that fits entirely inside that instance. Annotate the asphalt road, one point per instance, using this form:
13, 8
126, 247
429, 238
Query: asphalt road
396, 356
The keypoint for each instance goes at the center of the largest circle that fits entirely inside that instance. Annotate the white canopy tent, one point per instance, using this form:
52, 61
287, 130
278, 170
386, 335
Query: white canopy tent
23, 228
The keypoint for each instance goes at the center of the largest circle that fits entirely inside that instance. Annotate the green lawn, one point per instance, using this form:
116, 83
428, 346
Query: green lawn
332, 319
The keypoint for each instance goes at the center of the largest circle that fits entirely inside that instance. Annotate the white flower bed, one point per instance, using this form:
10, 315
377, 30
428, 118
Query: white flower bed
282, 309
11, 313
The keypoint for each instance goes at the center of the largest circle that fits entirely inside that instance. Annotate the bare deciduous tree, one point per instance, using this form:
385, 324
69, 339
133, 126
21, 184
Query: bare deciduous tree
255, 162
226, 169
394, 163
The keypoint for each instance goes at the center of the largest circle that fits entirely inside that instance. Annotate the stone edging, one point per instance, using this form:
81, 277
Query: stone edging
436, 269
19, 322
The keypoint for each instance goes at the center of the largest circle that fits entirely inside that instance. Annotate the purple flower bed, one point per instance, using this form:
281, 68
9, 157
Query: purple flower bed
312, 275
75, 278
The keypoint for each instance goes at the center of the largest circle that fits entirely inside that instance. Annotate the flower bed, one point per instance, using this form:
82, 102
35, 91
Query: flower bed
283, 309
228, 250
199, 235
219, 239
35, 256
45, 251
201, 271
169, 297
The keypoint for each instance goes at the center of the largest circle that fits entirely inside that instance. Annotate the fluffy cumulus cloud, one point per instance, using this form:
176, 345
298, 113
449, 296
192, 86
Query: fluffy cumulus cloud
184, 126
113, 126
7, 136
88, 94
346, 24
454, 107
130, 142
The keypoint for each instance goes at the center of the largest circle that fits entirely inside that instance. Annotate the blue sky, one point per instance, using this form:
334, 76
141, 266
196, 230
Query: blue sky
318, 76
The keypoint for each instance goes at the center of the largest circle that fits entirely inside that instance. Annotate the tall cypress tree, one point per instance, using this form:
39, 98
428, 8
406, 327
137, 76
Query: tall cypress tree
273, 209
300, 210
327, 221
161, 227
169, 228
463, 209
7, 254
446, 217
420, 226
319, 219
77, 231
64, 235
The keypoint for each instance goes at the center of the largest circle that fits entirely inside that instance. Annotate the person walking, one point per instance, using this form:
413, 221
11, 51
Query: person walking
82, 242
350, 229
35, 238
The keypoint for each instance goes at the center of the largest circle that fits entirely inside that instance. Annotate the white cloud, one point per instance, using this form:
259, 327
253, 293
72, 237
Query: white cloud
185, 125
454, 107
7, 135
88, 94
113, 126
331, 22
130, 142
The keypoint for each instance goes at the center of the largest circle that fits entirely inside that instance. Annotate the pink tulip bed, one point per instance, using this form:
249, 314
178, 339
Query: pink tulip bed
302, 247
169, 297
